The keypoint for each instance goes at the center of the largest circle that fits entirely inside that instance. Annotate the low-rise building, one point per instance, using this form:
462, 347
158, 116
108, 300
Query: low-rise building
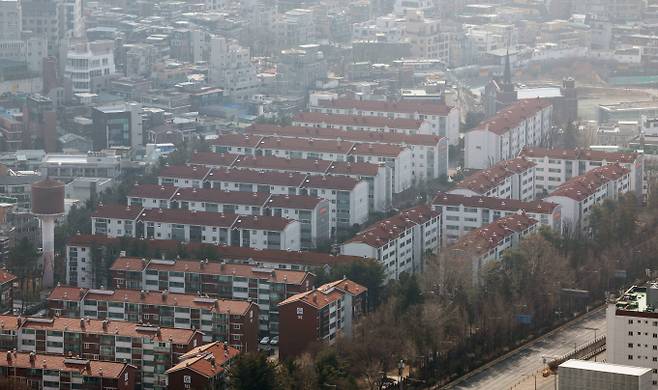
319, 315
509, 179
578, 195
362, 123
204, 367
253, 231
67, 167
266, 286
53, 371
151, 349
486, 244
233, 321
462, 213
555, 166
526, 123
399, 242
582, 374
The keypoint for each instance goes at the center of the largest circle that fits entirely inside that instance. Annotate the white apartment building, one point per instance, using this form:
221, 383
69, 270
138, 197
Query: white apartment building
509, 179
400, 242
580, 194
294, 27
461, 214
250, 231
67, 167
230, 67
348, 199
583, 374
526, 123
258, 142
490, 37
377, 176
444, 119
486, 244
632, 323
90, 65
10, 20
183, 176
555, 166
311, 212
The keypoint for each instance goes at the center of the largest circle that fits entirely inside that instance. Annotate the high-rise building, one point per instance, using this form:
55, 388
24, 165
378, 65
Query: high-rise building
230, 67
10, 20
119, 125
89, 65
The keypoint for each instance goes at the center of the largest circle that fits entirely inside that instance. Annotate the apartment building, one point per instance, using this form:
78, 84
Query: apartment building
378, 176
151, 349
400, 242
6, 291
90, 65
348, 197
486, 244
232, 321
577, 374
204, 367
67, 167
311, 212
578, 195
264, 286
443, 119
632, 323
429, 153
44, 371
461, 214
183, 176
509, 179
253, 231
319, 315
80, 266
525, 123
268, 142
556, 166
362, 123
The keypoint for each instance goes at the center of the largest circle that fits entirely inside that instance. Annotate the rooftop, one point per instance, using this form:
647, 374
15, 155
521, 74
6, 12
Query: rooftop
207, 360
84, 367
117, 211
486, 179
580, 187
482, 240
510, 117
183, 171
605, 367
289, 179
356, 120
536, 206
403, 106
581, 154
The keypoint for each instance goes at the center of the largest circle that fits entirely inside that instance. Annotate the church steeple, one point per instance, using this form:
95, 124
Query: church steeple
507, 74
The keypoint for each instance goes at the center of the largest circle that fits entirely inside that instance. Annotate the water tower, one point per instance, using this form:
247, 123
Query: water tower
47, 205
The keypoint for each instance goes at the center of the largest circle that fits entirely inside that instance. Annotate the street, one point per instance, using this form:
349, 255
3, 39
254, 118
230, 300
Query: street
516, 370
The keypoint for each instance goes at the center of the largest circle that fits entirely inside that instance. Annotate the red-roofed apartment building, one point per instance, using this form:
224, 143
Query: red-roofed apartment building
244, 282
443, 120
203, 367
400, 242
524, 123
462, 214
319, 315
233, 321
311, 212
486, 244
580, 194
509, 179
555, 166
252, 231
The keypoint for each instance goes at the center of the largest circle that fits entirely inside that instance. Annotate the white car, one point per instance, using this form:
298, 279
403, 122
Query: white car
265, 340
275, 340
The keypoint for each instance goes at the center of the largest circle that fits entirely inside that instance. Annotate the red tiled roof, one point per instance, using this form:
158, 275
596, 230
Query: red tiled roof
380, 233
316, 298
187, 217
290, 179
484, 180
6, 277
211, 159
262, 222
345, 285
284, 164
94, 368
220, 196
356, 120
361, 136
581, 154
129, 264
193, 172
152, 191
117, 211
510, 117
536, 206
580, 187
119, 328
402, 106
301, 202
344, 183
237, 140
9, 322
385, 150
200, 359
306, 144
353, 168
482, 240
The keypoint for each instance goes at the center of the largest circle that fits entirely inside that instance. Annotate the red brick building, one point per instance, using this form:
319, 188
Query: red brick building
203, 368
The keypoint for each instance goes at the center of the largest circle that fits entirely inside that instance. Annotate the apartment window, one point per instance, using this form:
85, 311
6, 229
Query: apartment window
630, 345
630, 322
630, 333
630, 357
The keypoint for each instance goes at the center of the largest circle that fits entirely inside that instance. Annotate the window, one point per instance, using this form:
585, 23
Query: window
630, 357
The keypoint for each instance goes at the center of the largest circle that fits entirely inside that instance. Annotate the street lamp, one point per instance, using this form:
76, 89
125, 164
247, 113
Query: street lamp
400, 371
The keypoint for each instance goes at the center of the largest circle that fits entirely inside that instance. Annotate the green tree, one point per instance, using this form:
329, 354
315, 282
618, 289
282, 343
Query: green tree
368, 273
253, 371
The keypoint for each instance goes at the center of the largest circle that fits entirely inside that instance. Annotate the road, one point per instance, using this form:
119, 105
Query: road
516, 370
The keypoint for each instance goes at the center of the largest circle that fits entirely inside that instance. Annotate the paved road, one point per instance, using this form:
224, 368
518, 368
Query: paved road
516, 370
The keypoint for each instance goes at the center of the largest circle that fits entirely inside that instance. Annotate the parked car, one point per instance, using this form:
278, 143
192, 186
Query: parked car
265, 340
275, 340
